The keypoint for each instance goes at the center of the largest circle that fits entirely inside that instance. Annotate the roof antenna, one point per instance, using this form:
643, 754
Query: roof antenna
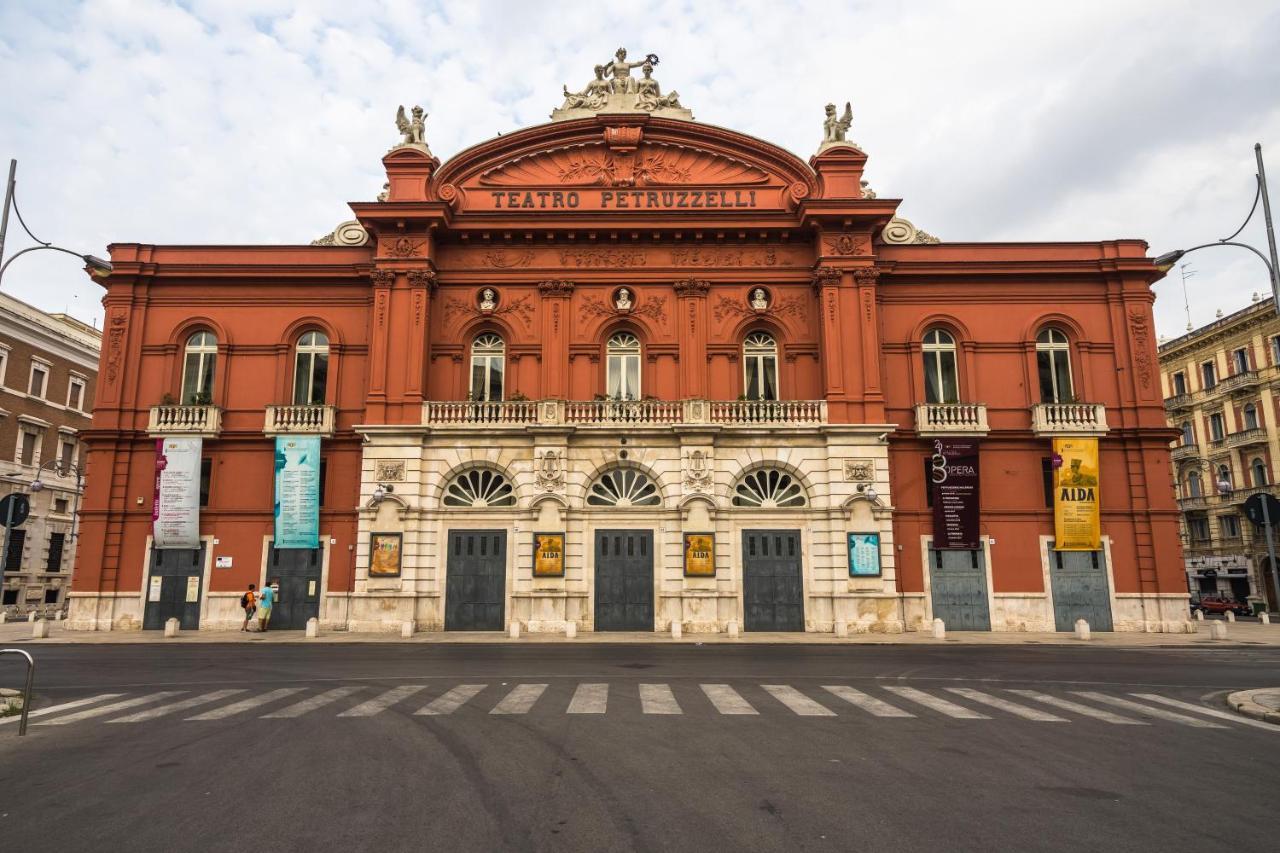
1187, 273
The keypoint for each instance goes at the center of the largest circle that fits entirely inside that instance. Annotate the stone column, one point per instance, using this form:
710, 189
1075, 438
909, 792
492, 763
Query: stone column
826, 286
864, 279
379, 343
691, 324
557, 299
422, 285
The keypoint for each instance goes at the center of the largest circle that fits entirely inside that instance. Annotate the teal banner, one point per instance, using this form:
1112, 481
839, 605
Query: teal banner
297, 491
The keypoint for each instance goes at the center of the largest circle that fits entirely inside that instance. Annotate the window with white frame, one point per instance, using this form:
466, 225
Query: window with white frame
75, 394
1250, 416
1240, 360
311, 370
199, 362
38, 383
760, 366
1258, 468
622, 368
1217, 427
1209, 371
488, 368
4, 362
66, 453
940, 376
1053, 363
28, 446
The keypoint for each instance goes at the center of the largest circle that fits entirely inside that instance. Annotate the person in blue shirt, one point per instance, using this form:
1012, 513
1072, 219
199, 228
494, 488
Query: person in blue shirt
267, 600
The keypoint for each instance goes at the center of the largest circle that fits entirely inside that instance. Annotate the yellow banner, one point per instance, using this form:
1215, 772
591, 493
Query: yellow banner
1076, 524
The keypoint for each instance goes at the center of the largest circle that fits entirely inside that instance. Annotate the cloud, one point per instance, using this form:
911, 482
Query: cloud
256, 121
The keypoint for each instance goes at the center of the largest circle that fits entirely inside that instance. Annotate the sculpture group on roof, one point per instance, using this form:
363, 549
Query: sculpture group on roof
615, 88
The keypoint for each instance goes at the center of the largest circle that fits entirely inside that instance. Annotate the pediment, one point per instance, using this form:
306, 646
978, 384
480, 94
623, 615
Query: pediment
653, 164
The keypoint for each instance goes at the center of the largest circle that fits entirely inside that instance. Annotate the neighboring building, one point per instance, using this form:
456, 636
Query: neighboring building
48, 373
1222, 393
716, 369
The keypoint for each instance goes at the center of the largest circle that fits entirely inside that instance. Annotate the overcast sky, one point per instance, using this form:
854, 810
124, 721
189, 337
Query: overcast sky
255, 121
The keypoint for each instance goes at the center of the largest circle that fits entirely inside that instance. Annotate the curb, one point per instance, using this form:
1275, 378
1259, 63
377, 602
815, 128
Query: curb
1242, 703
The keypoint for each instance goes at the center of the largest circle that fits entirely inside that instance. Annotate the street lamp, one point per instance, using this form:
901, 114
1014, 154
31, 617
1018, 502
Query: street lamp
94, 265
1166, 261
62, 469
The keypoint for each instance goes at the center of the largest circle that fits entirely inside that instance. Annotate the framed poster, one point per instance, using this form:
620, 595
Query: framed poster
1076, 522
864, 555
548, 555
699, 555
384, 555
297, 498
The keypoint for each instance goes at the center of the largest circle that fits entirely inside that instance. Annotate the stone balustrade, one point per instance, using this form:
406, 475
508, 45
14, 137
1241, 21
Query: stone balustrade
1185, 451
1242, 381
1247, 437
299, 420
497, 412
1068, 419
204, 420
586, 413
951, 419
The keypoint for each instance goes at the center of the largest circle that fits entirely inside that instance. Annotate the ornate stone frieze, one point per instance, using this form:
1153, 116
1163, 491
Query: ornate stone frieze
826, 277
422, 278
503, 259
790, 306
697, 472
594, 164
654, 308
489, 306
556, 287
865, 275
402, 247
382, 278
117, 322
692, 287
1142, 362
844, 243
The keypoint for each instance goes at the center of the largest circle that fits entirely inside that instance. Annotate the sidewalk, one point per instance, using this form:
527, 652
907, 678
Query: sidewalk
1263, 704
1238, 635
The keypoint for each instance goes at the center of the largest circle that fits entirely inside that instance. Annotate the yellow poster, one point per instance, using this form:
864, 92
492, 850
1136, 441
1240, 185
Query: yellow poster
700, 554
548, 555
384, 555
1076, 525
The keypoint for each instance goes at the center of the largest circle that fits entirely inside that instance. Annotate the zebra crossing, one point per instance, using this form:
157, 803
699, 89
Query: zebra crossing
882, 702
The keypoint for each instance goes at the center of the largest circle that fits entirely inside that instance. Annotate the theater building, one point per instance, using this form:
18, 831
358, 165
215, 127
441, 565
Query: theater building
621, 370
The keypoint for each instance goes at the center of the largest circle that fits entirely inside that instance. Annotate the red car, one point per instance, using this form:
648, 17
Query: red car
1218, 604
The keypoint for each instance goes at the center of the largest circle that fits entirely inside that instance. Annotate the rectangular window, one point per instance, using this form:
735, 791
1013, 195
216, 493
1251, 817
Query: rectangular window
4, 362
1217, 427
75, 394
206, 475
1199, 528
66, 454
1275, 349
17, 541
1240, 360
39, 380
27, 447
1210, 374
1179, 383
55, 552
51, 596
60, 506
324, 476
1230, 526
10, 597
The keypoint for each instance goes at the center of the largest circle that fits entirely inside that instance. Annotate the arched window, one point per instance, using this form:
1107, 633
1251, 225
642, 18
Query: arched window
1195, 488
622, 367
1250, 416
1053, 363
479, 487
311, 369
1188, 434
623, 487
488, 362
760, 366
940, 383
198, 368
1259, 470
768, 488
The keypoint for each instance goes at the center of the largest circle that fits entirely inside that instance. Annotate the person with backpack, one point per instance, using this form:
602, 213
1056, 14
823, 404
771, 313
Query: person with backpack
266, 600
248, 603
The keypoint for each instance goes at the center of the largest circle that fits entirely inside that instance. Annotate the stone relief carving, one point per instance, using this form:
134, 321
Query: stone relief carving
422, 278
549, 472
502, 259
615, 90
412, 129
826, 277
697, 472
521, 307
692, 287
488, 300
901, 231
115, 342
867, 192
382, 278
1141, 332
860, 470
388, 471
653, 308
622, 299
766, 257
556, 288
603, 257
845, 243
349, 233
759, 299
402, 247
593, 164
791, 306
835, 128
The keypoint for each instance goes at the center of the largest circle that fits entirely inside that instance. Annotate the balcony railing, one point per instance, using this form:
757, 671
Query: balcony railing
1177, 402
299, 420
634, 412
1185, 451
951, 419
1240, 382
185, 420
1239, 496
769, 411
498, 412
1069, 419
1192, 504
1247, 437
586, 413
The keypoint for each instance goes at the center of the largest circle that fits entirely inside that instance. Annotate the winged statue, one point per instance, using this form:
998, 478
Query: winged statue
836, 127
414, 129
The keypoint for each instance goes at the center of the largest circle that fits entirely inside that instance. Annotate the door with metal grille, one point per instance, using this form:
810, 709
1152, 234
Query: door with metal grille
475, 593
298, 570
624, 580
1080, 589
772, 591
174, 588
958, 587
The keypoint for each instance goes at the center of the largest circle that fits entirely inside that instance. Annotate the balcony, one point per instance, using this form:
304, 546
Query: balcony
641, 413
1195, 504
1178, 402
1244, 381
205, 420
299, 420
1183, 452
1239, 496
951, 419
1247, 437
1069, 419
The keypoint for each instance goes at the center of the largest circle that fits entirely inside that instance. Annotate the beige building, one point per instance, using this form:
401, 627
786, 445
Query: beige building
1221, 385
48, 370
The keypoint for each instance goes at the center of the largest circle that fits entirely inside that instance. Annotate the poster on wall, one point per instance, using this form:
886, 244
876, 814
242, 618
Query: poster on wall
175, 505
297, 504
953, 479
699, 555
548, 555
864, 555
384, 555
1076, 524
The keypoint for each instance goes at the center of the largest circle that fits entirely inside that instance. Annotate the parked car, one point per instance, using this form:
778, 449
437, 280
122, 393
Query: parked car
1218, 604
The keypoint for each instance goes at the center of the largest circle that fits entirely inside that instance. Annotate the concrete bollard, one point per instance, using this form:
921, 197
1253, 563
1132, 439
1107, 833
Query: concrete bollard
40, 630
1264, 617
842, 628
570, 630
171, 627
1199, 615
60, 616
1217, 630
677, 629
1082, 630
31, 617
514, 631
406, 628
1231, 616
313, 628
939, 629
4, 616
732, 629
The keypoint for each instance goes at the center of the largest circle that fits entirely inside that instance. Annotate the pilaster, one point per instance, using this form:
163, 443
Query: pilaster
691, 320
557, 297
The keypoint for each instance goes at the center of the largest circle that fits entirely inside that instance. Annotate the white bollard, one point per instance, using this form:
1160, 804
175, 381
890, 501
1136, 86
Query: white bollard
732, 629
171, 627
1231, 616
406, 628
313, 628
939, 629
841, 628
1199, 615
1082, 630
60, 616
31, 617
514, 630
40, 630
677, 629
4, 616
1217, 630
570, 630
1264, 617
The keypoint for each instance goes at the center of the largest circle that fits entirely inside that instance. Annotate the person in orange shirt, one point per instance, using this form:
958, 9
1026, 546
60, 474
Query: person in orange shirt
249, 601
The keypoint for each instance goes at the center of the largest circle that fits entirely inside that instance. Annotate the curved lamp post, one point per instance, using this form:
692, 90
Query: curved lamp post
94, 265
62, 469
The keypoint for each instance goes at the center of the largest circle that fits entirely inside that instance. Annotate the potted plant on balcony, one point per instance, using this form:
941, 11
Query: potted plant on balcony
167, 399
201, 398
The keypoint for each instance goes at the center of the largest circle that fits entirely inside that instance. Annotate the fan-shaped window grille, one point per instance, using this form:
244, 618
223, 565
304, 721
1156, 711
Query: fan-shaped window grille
479, 488
623, 487
768, 488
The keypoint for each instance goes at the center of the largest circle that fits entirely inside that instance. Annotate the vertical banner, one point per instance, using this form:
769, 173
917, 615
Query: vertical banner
953, 479
700, 555
175, 506
297, 507
1076, 524
548, 555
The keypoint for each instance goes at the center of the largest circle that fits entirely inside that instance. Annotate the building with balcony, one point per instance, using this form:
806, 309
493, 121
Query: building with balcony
48, 368
1221, 385
622, 370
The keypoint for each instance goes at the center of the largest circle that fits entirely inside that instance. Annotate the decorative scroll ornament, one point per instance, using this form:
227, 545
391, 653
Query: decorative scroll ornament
349, 233
697, 472
403, 247
412, 129
502, 259
549, 474
654, 164
615, 90
901, 231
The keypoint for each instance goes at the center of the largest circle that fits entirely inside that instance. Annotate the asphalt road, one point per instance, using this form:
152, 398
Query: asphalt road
671, 748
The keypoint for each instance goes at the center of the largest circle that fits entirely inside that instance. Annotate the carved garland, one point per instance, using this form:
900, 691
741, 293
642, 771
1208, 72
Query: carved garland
521, 308
791, 306
692, 287
593, 306
845, 243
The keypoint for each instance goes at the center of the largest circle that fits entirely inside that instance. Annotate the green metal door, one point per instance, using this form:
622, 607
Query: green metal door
475, 591
772, 590
174, 587
624, 580
958, 588
1080, 589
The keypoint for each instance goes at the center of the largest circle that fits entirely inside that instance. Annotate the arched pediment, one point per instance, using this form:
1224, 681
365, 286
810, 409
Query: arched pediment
656, 164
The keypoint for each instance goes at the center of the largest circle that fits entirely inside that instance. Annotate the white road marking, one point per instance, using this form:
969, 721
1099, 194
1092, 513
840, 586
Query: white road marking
194, 701
658, 699
382, 702
942, 706
1212, 712
797, 701
308, 705
246, 704
110, 709
870, 704
1005, 705
727, 700
1076, 707
1158, 713
589, 699
453, 700
520, 699
65, 706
